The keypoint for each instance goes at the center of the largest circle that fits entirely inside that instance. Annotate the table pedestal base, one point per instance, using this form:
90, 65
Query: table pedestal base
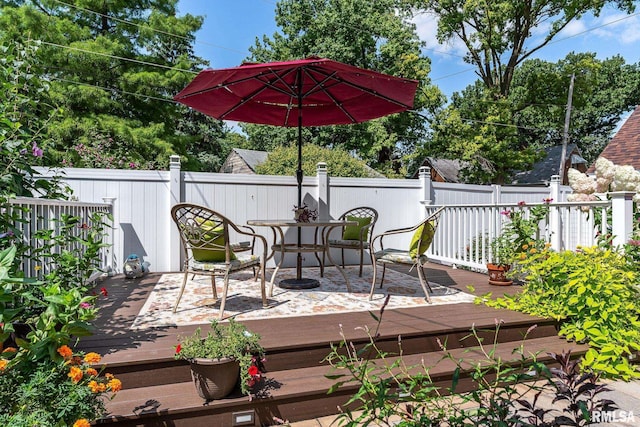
301, 283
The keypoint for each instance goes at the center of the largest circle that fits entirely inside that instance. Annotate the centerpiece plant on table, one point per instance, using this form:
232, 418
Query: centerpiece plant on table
229, 351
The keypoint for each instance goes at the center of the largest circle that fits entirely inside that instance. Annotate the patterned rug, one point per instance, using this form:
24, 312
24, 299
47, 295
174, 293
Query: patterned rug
197, 305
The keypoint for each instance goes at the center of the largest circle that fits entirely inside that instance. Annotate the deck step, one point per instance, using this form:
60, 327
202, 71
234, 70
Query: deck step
164, 369
291, 394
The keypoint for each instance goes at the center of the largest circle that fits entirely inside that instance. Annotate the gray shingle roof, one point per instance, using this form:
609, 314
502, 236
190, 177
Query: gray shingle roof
545, 168
252, 157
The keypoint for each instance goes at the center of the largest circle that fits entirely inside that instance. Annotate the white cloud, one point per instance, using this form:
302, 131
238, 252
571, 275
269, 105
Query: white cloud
573, 28
618, 27
427, 29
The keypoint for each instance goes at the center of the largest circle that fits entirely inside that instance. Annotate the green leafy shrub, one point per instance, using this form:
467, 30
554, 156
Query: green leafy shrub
595, 296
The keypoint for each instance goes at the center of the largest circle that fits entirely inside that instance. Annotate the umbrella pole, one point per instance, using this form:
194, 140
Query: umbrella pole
299, 282
299, 174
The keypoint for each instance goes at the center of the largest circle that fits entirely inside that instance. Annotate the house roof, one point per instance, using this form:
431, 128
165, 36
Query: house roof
251, 157
448, 169
545, 168
624, 147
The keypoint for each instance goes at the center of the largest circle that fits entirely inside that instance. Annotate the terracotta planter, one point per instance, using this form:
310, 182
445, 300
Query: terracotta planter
214, 378
497, 275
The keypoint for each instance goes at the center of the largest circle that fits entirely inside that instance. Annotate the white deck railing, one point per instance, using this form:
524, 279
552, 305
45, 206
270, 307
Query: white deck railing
33, 214
465, 231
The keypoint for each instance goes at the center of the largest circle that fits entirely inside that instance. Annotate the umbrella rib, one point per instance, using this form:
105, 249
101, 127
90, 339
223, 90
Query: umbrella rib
362, 88
318, 84
267, 85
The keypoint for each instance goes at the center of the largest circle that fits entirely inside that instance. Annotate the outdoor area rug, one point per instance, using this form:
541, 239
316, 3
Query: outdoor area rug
244, 302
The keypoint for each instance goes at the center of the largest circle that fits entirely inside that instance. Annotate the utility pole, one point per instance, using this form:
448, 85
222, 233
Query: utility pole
565, 135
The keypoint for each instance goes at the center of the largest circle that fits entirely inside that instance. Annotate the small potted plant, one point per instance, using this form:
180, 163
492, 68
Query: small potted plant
520, 233
228, 352
500, 262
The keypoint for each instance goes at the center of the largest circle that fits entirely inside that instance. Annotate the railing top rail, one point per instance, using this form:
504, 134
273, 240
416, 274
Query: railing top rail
601, 203
53, 202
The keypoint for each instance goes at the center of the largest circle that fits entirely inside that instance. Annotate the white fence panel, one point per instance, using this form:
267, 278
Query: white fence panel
142, 201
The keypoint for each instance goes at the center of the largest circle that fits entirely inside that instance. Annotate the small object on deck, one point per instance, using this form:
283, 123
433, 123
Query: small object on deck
134, 267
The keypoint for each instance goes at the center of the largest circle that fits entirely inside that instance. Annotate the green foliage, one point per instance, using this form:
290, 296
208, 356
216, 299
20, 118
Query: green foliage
231, 340
54, 392
520, 233
370, 34
20, 131
98, 96
498, 35
284, 161
594, 294
392, 393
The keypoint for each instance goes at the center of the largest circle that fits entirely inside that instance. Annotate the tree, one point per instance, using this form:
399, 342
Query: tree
604, 91
497, 34
284, 161
112, 69
500, 136
368, 34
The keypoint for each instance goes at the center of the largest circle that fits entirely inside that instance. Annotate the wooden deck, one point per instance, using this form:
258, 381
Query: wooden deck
158, 389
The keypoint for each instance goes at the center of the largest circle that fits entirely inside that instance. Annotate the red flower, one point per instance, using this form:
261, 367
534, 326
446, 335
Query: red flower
178, 348
522, 203
104, 292
253, 370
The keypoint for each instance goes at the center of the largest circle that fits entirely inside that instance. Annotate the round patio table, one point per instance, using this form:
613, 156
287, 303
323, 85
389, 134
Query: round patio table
316, 247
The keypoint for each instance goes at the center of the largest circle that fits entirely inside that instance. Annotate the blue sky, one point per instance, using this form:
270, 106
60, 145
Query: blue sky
231, 27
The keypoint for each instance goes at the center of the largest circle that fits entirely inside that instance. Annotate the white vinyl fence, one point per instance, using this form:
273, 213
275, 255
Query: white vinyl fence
141, 202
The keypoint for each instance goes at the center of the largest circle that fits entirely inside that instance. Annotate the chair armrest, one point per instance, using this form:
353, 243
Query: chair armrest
431, 217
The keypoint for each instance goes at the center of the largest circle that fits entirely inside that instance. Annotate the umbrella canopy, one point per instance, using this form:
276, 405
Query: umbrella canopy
307, 92
316, 90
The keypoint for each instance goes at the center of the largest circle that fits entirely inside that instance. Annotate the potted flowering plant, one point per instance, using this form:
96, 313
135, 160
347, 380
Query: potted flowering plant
227, 352
520, 235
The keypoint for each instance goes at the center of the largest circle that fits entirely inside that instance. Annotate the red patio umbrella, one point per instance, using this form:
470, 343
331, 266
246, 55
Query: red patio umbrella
307, 92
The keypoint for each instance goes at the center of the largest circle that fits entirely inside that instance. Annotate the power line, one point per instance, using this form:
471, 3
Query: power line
137, 61
146, 27
114, 90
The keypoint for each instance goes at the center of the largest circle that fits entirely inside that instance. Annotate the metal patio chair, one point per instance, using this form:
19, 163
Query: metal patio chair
423, 233
356, 237
207, 250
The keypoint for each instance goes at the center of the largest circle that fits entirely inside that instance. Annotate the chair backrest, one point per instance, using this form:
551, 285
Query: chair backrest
204, 233
363, 212
422, 240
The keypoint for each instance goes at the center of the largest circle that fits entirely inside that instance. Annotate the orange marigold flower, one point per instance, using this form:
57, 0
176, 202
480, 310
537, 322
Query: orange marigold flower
97, 387
92, 358
525, 246
75, 374
82, 423
115, 385
10, 350
65, 351
92, 372
523, 256
108, 376
534, 250
3, 364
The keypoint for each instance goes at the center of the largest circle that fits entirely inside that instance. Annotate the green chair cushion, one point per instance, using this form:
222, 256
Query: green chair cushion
427, 231
352, 232
211, 245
